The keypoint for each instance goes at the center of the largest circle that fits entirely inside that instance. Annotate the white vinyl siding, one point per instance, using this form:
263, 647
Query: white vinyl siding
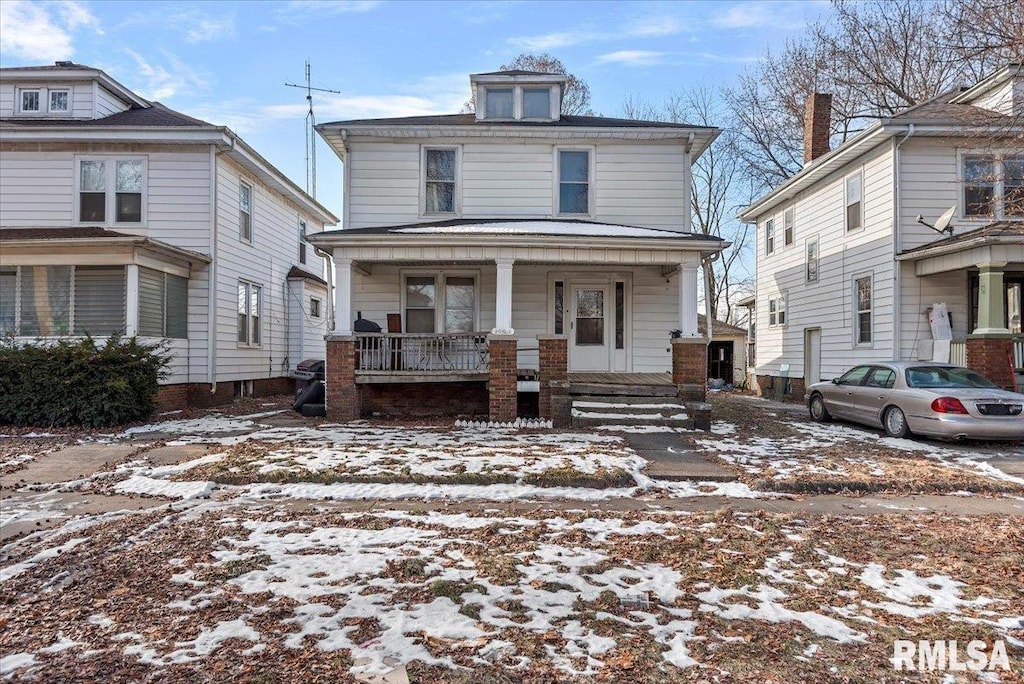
633, 183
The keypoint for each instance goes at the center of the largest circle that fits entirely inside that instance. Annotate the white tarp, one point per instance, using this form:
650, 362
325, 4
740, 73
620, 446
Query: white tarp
942, 332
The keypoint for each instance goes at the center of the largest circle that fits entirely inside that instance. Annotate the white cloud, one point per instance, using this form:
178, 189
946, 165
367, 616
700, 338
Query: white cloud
647, 27
197, 25
205, 29
760, 14
36, 32
155, 81
632, 57
297, 11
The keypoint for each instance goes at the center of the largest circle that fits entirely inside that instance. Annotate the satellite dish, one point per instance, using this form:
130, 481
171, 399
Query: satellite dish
944, 224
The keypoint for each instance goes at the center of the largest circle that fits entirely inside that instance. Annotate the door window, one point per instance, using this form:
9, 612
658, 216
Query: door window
589, 317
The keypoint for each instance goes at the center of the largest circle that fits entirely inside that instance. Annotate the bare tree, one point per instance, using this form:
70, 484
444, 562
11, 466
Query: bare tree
575, 99
716, 191
986, 32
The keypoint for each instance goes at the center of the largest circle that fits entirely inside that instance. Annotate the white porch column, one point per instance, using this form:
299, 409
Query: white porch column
503, 298
688, 300
991, 299
342, 296
131, 304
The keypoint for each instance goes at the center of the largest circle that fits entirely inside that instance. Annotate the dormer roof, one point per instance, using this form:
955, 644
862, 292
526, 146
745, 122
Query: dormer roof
65, 72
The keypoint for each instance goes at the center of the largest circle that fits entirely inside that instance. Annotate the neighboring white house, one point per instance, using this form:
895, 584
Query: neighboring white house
519, 220
848, 274
117, 214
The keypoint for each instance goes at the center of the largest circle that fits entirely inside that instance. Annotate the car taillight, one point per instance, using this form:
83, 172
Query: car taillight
948, 405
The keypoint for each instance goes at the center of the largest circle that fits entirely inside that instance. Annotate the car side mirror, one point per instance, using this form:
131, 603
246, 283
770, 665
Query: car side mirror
835, 381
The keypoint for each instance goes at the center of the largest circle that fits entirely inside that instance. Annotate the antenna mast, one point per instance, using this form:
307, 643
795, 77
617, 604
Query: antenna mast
310, 129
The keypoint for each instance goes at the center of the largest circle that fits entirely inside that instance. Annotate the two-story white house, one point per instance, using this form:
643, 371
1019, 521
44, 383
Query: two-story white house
849, 266
120, 215
515, 222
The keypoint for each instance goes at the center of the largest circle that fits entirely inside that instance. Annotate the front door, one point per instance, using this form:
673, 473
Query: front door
812, 356
589, 329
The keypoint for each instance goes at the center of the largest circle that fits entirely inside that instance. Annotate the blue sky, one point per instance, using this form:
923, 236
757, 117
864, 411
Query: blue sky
227, 62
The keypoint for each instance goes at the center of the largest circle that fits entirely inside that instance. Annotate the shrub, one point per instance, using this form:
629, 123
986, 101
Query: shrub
79, 382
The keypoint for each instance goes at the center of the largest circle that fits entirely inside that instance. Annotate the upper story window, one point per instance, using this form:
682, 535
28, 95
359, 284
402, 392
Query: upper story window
111, 190
500, 103
769, 236
788, 223
777, 310
854, 201
440, 175
993, 186
31, 100
302, 242
59, 100
811, 266
244, 211
536, 103
573, 181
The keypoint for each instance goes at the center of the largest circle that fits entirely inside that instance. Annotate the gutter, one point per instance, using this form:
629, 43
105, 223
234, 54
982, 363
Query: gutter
434, 240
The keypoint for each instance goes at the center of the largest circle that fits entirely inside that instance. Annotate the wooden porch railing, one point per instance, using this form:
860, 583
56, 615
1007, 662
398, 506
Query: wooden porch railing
397, 353
958, 353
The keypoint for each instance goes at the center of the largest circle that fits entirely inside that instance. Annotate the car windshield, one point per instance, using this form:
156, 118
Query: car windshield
938, 376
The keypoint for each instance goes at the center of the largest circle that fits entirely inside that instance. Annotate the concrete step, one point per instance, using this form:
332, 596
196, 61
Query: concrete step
666, 409
614, 419
622, 390
627, 399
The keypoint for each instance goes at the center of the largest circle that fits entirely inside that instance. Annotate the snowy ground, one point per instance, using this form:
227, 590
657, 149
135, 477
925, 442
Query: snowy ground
640, 598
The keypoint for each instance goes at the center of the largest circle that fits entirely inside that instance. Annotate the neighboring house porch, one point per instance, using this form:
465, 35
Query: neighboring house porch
472, 312
979, 274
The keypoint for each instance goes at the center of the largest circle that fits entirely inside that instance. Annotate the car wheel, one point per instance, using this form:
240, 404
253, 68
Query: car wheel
819, 412
895, 423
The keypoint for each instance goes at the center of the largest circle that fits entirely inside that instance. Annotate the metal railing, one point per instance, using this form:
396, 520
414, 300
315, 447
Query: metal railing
958, 353
396, 353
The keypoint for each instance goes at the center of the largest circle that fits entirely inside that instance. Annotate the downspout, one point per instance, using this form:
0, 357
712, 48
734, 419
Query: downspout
211, 294
897, 245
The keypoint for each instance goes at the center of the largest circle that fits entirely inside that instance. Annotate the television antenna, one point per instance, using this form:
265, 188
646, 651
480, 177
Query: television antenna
944, 224
310, 130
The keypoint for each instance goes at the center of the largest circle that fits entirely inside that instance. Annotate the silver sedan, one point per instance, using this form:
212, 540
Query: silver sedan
931, 399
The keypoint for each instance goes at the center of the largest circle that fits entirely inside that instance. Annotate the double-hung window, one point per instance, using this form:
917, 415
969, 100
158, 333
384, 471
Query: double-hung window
440, 303
788, 224
993, 185
862, 301
769, 236
574, 182
811, 263
111, 190
250, 308
245, 211
440, 175
777, 310
854, 201
302, 242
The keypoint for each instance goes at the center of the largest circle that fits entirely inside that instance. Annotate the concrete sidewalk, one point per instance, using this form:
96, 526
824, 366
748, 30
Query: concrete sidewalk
670, 458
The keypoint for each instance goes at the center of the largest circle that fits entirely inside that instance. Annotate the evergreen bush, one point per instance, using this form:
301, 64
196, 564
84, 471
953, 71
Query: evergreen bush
79, 382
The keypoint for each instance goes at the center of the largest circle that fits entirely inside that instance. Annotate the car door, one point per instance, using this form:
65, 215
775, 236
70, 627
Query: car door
874, 394
841, 399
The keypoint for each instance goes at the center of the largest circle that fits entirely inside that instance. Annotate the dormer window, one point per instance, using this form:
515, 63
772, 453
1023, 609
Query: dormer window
30, 100
536, 103
500, 103
59, 101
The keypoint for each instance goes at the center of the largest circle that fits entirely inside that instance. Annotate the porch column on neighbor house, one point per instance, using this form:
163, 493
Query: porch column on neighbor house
131, 303
991, 299
503, 298
342, 296
688, 300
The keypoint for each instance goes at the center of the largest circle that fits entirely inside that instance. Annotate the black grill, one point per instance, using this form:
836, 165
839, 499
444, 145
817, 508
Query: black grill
999, 409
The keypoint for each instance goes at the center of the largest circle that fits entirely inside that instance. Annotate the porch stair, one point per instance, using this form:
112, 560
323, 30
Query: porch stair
596, 410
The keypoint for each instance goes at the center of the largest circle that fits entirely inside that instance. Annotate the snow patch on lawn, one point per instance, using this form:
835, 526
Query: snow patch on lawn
12, 571
139, 484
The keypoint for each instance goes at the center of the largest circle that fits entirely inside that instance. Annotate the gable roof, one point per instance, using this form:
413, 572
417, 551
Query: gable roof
995, 232
298, 273
69, 71
718, 328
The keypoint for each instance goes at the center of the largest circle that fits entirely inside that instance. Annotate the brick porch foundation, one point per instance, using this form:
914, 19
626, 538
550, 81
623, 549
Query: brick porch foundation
991, 356
690, 367
501, 384
554, 370
399, 399
341, 393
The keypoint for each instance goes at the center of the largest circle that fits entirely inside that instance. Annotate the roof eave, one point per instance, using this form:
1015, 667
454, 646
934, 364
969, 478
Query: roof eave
338, 238
139, 241
1007, 72
954, 247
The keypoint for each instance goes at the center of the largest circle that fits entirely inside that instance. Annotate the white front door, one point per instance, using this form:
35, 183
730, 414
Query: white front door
590, 327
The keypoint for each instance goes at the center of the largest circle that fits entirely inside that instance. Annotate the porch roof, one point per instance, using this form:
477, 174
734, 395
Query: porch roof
1000, 241
92, 239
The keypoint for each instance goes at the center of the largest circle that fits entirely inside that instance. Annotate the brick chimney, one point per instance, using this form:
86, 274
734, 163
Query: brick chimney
817, 122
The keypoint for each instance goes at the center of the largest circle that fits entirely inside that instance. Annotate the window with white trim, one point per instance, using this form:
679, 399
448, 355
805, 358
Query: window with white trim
993, 185
500, 103
60, 100
862, 296
442, 302
574, 182
302, 242
54, 301
314, 307
440, 180
30, 100
777, 311
788, 225
854, 201
250, 309
811, 261
769, 236
245, 212
536, 103
163, 304
111, 190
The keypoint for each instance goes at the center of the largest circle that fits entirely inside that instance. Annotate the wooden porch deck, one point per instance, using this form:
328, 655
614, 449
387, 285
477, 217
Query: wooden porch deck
622, 384
621, 378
